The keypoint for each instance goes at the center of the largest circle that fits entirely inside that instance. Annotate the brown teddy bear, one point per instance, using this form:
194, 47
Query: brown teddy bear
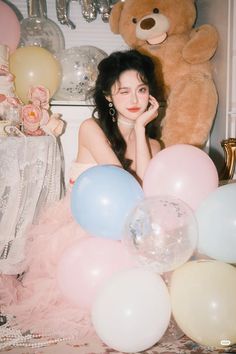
163, 30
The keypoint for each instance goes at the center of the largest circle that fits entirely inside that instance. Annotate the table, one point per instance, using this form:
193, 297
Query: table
30, 179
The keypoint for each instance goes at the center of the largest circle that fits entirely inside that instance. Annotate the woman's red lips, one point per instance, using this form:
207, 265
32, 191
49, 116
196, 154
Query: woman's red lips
133, 109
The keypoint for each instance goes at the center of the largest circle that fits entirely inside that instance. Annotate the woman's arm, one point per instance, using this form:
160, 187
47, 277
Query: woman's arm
94, 146
145, 148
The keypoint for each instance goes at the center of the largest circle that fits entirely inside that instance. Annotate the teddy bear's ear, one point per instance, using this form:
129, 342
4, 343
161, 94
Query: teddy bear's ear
114, 18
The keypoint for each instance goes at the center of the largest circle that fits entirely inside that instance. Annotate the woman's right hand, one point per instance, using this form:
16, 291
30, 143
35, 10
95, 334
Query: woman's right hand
150, 114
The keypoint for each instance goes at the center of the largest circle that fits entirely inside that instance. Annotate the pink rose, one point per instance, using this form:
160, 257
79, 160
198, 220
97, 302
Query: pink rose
39, 96
31, 117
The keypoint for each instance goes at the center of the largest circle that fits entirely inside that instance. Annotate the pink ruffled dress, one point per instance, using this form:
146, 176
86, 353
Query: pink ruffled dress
34, 298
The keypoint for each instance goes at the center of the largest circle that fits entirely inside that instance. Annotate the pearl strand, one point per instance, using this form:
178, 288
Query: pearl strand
12, 337
20, 340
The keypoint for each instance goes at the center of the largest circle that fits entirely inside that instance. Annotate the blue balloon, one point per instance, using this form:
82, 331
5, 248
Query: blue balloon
101, 199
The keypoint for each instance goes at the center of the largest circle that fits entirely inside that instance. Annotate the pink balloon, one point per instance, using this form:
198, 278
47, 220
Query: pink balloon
85, 266
9, 27
182, 171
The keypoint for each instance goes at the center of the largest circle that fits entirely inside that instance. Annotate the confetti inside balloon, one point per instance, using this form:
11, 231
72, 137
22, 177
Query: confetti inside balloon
42, 32
79, 72
162, 232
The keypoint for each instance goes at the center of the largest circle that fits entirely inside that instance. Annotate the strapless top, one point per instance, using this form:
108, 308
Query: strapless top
76, 169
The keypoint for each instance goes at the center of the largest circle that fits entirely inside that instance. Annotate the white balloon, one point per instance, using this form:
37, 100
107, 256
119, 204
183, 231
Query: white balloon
132, 310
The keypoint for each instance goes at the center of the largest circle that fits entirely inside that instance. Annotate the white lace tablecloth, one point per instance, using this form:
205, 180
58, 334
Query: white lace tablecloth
30, 179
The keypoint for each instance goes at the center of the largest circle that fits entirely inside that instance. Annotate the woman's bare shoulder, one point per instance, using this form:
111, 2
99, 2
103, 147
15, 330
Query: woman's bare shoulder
89, 122
88, 127
90, 132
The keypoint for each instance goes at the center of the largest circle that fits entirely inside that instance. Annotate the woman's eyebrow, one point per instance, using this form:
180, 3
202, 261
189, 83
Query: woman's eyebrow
127, 87
123, 88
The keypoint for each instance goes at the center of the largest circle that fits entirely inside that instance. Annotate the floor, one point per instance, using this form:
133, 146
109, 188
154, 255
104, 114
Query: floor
93, 345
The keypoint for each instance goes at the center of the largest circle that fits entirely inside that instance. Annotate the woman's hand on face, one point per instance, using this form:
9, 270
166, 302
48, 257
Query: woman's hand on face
150, 114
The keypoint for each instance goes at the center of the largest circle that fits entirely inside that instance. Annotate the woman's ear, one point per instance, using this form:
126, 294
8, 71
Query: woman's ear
108, 98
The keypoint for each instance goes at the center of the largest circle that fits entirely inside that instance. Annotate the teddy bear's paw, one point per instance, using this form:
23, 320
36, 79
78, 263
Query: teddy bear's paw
202, 44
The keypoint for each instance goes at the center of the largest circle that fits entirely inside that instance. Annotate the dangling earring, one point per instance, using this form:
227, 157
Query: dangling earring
112, 112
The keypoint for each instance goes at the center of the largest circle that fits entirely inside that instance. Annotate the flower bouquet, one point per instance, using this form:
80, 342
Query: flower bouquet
36, 118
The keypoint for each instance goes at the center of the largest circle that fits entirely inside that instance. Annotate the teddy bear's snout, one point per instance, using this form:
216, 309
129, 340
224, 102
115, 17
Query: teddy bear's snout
151, 26
147, 23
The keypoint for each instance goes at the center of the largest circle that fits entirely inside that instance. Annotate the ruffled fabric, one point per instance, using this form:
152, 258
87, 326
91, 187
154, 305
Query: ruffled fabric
33, 298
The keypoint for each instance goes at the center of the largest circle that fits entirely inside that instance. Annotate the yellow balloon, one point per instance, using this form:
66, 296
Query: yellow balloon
34, 66
204, 303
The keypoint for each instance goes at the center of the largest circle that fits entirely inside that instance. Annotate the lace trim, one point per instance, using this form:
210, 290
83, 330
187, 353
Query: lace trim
30, 179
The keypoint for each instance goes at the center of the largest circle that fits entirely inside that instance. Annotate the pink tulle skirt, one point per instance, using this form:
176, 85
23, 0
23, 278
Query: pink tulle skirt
34, 298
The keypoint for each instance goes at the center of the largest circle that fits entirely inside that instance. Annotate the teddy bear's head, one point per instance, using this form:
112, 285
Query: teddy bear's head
149, 22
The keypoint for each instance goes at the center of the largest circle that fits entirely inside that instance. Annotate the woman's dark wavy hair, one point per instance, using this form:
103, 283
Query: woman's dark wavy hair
109, 71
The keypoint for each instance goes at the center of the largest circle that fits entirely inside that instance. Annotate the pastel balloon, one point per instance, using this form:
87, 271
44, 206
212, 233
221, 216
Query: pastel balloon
203, 302
183, 171
33, 66
216, 219
9, 27
86, 265
102, 198
161, 232
132, 310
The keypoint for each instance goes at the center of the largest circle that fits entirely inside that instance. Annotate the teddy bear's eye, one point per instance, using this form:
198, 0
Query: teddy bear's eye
156, 10
134, 20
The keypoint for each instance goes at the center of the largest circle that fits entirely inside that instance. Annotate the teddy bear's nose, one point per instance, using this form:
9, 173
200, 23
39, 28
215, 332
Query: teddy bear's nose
147, 23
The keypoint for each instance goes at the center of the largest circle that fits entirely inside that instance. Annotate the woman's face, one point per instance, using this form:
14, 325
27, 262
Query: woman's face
130, 95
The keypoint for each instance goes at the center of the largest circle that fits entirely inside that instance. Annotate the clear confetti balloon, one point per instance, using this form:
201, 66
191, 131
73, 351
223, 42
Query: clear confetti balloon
161, 232
42, 32
79, 72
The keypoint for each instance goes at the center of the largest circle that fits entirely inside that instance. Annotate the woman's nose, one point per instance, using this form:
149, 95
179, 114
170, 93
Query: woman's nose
134, 98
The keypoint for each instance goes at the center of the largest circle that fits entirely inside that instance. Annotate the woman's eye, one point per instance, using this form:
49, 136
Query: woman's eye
123, 92
143, 89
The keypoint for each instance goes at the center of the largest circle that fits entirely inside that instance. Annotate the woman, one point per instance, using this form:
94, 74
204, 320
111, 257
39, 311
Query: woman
125, 105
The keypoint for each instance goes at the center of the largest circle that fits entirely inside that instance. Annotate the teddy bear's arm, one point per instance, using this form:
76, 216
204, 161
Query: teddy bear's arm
202, 44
